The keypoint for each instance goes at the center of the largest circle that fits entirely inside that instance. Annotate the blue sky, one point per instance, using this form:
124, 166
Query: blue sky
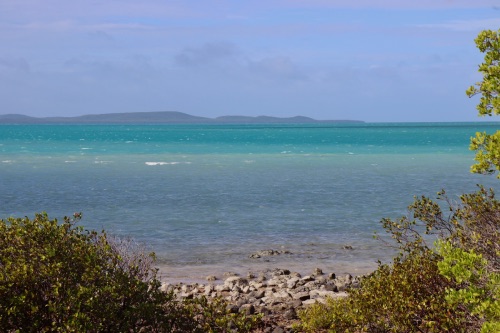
371, 60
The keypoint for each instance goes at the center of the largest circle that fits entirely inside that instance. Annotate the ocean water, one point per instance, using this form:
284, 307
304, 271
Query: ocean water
205, 197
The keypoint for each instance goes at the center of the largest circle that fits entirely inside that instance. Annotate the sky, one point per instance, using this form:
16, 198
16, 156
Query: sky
370, 60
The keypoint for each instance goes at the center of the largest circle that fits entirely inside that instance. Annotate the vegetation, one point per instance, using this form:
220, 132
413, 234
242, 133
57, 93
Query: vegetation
446, 277
58, 277
487, 146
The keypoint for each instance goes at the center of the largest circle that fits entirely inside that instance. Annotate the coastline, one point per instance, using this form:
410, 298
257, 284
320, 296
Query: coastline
275, 294
199, 273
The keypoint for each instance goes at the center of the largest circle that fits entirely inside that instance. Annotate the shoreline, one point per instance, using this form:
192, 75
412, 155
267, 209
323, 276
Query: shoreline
276, 294
198, 273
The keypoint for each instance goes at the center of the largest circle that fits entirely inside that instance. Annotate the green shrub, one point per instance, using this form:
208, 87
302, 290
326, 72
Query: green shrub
454, 287
412, 294
58, 277
407, 296
479, 289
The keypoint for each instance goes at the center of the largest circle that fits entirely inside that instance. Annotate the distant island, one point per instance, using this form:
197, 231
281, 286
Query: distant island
160, 117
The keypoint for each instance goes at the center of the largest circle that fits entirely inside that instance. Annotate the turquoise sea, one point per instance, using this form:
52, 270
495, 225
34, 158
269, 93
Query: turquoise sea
205, 197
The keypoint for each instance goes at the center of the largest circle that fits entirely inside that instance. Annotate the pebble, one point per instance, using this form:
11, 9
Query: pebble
275, 293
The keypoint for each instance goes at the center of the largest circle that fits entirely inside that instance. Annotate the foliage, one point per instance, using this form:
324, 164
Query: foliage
479, 291
58, 277
454, 286
487, 146
408, 295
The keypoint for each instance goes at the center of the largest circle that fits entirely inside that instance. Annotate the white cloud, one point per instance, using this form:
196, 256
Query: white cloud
15, 63
390, 4
466, 25
208, 53
278, 67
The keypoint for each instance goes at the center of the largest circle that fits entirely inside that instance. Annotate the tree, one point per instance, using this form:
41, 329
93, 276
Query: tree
58, 277
487, 146
453, 286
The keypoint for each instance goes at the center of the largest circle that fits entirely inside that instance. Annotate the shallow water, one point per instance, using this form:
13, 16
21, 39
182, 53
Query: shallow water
204, 197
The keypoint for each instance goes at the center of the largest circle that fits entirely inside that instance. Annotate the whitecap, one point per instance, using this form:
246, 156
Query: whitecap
69, 161
7, 161
165, 163
85, 148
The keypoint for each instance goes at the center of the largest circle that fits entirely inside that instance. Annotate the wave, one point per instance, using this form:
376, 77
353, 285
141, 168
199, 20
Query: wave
165, 163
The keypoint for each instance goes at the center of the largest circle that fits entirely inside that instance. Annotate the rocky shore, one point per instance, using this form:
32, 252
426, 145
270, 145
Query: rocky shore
277, 294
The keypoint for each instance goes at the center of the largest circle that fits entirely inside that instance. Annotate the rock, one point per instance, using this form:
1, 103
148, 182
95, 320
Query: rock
301, 296
247, 309
290, 284
267, 253
209, 289
222, 287
278, 330
236, 281
232, 308
330, 287
279, 297
309, 302
321, 280
240, 302
321, 293
290, 314
347, 247
186, 295
265, 311
279, 271
256, 285
272, 282
166, 287
211, 278
281, 294
257, 294
261, 278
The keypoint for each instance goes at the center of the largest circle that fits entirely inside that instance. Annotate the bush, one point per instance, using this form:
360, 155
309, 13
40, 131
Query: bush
58, 277
407, 296
453, 288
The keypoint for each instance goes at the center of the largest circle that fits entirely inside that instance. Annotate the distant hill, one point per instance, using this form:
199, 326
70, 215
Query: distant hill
160, 117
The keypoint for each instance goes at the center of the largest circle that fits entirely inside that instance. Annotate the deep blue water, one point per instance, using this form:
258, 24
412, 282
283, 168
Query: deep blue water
205, 196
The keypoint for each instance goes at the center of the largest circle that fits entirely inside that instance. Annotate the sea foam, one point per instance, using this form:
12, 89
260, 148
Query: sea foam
165, 163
